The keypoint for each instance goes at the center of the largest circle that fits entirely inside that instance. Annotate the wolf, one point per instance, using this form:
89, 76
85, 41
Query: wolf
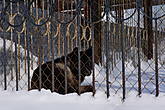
55, 81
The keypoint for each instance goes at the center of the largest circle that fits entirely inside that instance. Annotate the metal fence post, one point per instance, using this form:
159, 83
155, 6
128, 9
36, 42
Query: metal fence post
4, 57
123, 59
156, 59
79, 45
40, 62
139, 46
93, 62
52, 51
4, 63
65, 55
16, 64
107, 36
28, 40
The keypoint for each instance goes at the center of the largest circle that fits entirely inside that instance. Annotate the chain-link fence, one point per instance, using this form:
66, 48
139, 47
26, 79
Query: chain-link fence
113, 46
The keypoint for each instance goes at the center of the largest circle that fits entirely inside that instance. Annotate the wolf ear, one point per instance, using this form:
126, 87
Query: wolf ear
90, 47
75, 49
73, 53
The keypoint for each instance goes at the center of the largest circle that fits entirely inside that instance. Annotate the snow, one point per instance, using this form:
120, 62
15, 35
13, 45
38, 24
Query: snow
45, 100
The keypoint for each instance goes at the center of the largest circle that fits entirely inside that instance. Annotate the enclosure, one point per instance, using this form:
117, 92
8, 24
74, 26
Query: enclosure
127, 39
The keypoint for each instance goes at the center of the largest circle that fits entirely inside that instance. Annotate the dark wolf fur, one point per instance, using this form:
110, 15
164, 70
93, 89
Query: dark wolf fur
59, 73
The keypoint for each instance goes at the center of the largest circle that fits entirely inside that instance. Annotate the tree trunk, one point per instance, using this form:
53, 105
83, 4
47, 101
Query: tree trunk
96, 15
148, 51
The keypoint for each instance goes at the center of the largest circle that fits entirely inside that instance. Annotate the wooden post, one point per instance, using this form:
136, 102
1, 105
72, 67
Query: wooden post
119, 11
87, 10
96, 15
148, 27
119, 14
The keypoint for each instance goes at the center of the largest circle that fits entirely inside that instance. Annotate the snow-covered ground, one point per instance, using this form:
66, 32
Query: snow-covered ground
44, 100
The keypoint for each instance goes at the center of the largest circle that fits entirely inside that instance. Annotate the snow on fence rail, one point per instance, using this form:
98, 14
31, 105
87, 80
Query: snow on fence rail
127, 46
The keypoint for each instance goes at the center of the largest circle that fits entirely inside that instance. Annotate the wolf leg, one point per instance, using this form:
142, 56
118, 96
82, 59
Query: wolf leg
87, 88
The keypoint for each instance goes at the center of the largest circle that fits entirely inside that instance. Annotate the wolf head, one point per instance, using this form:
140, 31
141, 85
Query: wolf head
85, 61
